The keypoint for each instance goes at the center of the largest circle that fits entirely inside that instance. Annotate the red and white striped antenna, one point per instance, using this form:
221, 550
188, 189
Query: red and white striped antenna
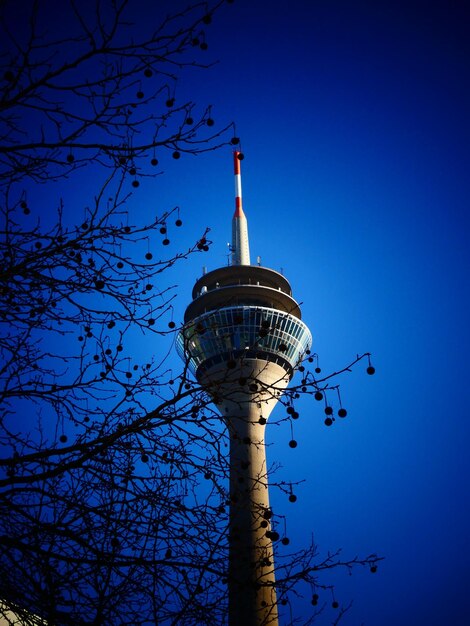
238, 184
240, 244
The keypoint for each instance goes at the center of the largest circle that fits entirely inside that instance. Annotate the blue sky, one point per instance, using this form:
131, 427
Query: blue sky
354, 122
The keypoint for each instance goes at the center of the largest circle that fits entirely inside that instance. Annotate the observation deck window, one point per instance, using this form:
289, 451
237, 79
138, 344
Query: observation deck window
223, 334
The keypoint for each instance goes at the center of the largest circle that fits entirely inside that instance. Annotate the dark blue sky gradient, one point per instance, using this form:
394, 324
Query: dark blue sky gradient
354, 122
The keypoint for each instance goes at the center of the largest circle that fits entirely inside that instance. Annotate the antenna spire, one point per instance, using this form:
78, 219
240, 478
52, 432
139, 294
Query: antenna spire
240, 244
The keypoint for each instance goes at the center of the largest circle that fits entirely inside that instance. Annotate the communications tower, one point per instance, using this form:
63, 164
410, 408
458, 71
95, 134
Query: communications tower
243, 338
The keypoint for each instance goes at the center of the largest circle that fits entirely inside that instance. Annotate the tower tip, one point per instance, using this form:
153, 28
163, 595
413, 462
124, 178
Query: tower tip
240, 245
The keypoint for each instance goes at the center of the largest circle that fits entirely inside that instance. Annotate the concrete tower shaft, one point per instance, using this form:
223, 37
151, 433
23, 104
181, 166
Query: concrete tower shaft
243, 338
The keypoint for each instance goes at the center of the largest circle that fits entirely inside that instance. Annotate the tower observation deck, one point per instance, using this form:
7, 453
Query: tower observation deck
243, 338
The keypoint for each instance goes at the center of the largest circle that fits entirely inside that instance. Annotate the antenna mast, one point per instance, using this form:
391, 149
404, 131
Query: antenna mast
240, 244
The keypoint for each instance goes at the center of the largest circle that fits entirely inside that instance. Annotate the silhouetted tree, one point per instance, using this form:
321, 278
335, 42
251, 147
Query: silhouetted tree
113, 495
